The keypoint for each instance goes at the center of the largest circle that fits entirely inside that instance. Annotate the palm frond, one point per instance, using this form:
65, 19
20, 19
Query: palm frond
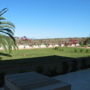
2, 18
3, 43
10, 35
3, 11
7, 23
7, 40
7, 31
7, 43
6, 26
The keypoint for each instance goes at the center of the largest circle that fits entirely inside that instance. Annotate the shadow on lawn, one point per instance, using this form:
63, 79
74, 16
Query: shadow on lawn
46, 59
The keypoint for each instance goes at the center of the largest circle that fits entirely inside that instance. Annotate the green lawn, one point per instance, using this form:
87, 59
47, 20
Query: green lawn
65, 51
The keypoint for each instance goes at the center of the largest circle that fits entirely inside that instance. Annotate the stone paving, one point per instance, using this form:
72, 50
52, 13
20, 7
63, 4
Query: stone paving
79, 80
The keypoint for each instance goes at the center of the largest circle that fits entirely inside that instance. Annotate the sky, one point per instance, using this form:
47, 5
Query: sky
48, 18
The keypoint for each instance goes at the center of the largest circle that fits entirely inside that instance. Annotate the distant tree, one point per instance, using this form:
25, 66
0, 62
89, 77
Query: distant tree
82, 41
25, 41
7, 40
73, 41
88, 40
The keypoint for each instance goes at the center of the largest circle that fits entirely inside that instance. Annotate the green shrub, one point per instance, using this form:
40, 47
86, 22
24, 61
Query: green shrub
75, 50
56, 48
86, 51
81, 50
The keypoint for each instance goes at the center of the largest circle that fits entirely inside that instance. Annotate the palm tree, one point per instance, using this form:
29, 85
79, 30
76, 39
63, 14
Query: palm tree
7, 40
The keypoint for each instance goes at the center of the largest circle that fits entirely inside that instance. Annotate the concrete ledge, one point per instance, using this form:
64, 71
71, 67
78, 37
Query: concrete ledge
33, 81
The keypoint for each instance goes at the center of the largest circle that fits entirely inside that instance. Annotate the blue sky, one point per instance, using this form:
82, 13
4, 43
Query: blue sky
49, 18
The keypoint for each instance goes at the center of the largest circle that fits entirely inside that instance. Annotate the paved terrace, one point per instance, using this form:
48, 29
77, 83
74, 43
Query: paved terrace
79, 80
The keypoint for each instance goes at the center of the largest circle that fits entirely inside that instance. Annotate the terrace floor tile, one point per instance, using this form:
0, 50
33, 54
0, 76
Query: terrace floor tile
79, 80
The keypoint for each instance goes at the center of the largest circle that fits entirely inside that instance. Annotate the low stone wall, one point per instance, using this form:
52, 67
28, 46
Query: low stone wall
49, 66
